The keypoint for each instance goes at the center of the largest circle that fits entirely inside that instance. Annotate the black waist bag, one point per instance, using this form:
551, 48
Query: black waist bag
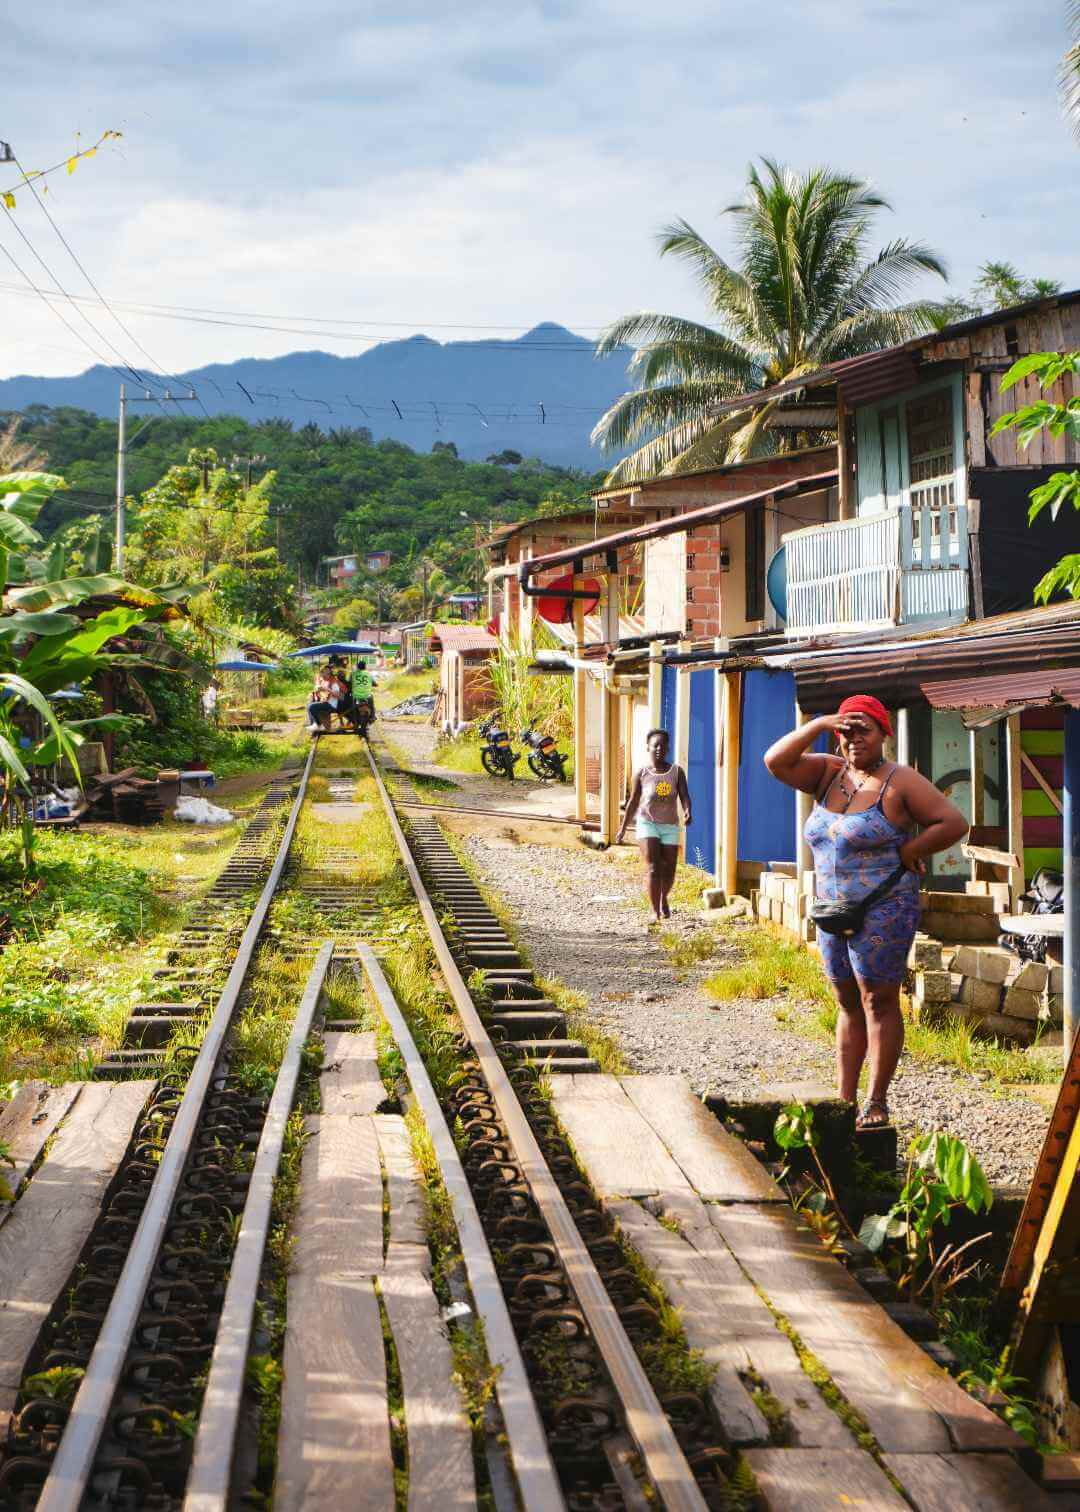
848, 918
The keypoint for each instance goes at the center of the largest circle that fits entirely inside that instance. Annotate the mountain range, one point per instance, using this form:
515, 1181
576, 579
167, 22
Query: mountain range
539, 394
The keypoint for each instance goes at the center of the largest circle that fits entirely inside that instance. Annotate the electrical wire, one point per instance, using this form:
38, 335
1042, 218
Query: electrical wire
582, 348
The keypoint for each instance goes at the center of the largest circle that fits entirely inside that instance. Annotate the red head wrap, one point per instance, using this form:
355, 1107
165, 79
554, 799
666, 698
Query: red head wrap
873, 708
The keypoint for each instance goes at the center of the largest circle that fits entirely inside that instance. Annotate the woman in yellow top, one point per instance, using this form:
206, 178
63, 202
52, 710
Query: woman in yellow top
659, 787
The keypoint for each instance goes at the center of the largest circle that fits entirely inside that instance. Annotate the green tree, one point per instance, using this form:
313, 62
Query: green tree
356, 613
803, 294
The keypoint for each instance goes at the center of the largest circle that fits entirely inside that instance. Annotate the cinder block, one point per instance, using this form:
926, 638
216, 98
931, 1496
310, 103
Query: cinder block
977, 889
776, 910
1020, 1003
925, 954
933, 986
808, 930
994, 963
1005, 1026
966, 961
984, 997
957, 928
1031, 977
789, 917
959, 903
808, 883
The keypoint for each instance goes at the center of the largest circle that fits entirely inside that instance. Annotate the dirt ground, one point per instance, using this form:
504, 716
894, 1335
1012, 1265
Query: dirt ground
581, 917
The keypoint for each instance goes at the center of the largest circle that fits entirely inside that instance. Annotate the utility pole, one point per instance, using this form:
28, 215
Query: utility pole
122, 448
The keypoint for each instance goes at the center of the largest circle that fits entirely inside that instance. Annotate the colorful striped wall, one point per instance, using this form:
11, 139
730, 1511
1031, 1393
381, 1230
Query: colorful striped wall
1042, 739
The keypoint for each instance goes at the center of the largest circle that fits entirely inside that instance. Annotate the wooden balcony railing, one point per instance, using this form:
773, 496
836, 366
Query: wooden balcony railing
903, 566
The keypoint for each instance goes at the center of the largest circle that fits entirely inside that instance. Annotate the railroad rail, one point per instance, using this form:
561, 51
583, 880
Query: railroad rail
161, 1316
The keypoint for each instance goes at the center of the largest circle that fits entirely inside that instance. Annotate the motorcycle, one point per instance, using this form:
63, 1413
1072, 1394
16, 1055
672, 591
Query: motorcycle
1045, 896
545, 760
495, 754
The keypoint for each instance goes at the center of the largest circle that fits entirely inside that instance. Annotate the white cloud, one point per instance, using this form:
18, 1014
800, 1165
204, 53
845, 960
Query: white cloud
506, 164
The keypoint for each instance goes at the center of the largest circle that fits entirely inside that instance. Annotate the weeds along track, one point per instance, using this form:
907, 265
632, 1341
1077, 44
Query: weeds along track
607, 1369
148, 1349
135, 1324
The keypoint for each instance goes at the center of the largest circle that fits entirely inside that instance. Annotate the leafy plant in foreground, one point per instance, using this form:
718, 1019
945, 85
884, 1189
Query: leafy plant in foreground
942, 1176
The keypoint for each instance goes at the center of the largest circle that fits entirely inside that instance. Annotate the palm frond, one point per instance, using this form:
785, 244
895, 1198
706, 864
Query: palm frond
1069, 73
641, 411
667, 452
871, 330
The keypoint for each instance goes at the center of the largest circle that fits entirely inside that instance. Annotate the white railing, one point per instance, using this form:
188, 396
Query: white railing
902, 566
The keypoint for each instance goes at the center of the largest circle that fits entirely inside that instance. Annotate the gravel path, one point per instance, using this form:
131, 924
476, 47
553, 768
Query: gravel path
579, 920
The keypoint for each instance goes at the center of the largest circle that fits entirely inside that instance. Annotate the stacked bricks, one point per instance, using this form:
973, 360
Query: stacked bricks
987, 986
779, 900
960, 918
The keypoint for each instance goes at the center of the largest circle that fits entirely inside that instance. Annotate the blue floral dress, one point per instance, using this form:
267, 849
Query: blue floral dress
853, 854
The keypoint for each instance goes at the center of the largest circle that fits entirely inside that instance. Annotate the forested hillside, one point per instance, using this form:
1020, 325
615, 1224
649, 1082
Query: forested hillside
334, 491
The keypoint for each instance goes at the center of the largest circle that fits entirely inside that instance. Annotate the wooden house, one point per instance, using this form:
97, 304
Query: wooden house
465, 686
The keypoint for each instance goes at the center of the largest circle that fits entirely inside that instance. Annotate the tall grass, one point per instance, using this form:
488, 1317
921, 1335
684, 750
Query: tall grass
520, 698
771, 967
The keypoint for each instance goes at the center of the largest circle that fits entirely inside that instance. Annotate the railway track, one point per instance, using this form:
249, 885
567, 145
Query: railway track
162, 1313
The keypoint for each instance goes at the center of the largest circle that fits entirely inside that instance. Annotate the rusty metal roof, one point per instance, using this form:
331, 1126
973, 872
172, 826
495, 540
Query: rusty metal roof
875, 374
688, 520
895, 670
1029, 689
463, 638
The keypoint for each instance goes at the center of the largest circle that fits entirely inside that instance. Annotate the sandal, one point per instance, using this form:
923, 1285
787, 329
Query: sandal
874, 1115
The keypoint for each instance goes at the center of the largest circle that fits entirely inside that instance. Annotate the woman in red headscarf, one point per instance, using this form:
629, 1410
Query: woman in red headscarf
872, 824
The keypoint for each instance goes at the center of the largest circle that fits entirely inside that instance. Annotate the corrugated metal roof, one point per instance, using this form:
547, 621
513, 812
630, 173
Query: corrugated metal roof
631, 627
1030, 640
463, 638
874, 374
1028, 688
688, 520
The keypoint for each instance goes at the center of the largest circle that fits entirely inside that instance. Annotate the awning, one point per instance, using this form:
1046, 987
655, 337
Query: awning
1040, 642
1029, 690
673, 524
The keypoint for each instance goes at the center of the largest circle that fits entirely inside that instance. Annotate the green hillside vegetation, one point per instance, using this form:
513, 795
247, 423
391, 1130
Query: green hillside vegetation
334, 491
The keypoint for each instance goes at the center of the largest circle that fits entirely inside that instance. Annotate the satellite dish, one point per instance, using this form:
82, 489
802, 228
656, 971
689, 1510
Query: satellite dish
554, 607
776, 582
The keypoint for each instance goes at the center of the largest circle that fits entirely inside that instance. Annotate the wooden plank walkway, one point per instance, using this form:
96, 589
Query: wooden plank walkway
48, 1226
738, 1264
334, 1444
26, 1125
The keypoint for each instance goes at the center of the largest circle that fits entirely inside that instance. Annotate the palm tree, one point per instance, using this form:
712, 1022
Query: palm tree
802, 295
1069, 76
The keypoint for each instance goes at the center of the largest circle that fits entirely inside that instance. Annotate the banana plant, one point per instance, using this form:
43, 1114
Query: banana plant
44, 646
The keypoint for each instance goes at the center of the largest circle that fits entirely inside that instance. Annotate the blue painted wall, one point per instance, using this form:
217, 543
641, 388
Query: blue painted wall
701, 770
766, 807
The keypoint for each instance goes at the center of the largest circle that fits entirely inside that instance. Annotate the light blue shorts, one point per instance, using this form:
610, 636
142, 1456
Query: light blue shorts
667, 834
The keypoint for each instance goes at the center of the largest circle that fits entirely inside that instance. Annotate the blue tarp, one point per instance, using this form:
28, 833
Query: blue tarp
701, 771
337, 648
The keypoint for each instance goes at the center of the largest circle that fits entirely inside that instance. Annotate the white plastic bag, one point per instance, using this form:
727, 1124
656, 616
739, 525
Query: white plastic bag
201, 811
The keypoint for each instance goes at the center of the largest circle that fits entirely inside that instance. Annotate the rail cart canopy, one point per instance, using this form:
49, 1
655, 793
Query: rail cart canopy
337, 648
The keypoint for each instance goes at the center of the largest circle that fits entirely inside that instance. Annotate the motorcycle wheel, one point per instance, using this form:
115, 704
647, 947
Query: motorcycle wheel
508, 766
491, 763
537, 767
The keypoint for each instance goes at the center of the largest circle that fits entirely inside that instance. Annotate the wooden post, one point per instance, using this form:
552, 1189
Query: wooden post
804, 802
609, 731
680, 736
580, 791
1016, 807
628, 747
732, 688
656, 682
843, 459
978, 786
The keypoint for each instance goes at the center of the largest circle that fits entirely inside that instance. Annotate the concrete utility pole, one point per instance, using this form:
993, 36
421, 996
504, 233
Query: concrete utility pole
122, 448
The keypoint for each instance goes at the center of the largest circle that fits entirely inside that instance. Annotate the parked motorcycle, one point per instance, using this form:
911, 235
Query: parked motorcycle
495, 753
545, 760
1046, 895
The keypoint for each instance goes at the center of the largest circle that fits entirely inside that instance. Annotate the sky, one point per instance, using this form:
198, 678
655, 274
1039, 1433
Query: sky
401, 169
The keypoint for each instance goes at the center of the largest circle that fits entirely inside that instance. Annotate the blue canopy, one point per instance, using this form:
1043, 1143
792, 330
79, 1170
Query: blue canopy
238, 664
337, 648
